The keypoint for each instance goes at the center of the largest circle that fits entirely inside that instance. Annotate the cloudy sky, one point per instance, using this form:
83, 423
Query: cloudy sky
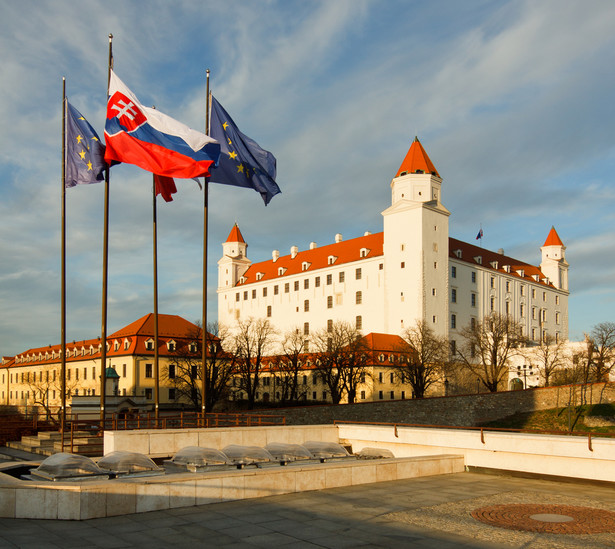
513, 101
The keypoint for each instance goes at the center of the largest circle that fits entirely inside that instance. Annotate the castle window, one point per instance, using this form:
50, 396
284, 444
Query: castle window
359, 298
306, 328
329, 325
254, 294
557, 318
453, 322
492, 282
330, 302
473, 300
522, 310
268, 311
317, 282
453, 295
359, 322
329, 279
508, 285
403, 264
544, 296
306, 284
433, 292
557, 300
245, 295
276, 290
342, 276
492, 304
533, 293
265, 292
306, 306
237, 296
148, 370
296, 285
357, 274
473, 277
380, 266
286, 287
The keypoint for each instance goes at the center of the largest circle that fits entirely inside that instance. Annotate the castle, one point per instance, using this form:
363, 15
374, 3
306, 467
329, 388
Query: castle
385, 282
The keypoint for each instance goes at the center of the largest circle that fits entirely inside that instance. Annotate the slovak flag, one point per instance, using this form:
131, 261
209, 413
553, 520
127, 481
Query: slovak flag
150, 139
480, 234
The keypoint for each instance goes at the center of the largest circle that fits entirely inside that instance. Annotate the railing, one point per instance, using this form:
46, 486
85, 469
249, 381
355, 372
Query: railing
83, 432
482, 430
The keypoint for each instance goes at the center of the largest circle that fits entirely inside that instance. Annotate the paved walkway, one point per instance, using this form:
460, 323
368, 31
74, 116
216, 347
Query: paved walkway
429, 512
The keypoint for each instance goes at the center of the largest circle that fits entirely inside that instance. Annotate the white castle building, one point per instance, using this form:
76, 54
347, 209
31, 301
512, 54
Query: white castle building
385, 282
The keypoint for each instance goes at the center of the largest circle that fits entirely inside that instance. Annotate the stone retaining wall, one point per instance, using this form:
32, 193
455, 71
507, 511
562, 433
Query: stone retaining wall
462, 411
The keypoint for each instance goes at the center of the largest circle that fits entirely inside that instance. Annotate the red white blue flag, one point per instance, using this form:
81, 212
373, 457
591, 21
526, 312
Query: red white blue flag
150, 139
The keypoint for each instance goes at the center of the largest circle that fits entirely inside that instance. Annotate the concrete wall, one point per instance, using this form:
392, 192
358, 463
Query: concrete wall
560, 455
166, 442
461, 411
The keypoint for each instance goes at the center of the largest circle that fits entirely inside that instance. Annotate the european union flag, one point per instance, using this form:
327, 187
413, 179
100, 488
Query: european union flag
242, 163
85, 154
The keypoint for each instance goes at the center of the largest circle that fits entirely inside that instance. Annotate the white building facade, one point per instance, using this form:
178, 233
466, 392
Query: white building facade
385, 282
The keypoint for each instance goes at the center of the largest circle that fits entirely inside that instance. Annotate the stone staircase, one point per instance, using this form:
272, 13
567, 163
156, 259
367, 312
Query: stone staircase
47, 443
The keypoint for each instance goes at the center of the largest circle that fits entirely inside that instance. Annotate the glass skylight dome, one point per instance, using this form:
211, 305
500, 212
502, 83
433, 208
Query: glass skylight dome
326, 450
375, 453
288, 452
247, 455
68, 467
129, 464
197, 456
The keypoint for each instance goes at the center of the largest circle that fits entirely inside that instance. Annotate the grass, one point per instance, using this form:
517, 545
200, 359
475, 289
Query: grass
557, 419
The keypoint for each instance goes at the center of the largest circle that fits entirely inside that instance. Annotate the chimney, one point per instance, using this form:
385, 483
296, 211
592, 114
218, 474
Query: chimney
501, 251
276, 255
293, 252
338, 238
313, 245
367, 233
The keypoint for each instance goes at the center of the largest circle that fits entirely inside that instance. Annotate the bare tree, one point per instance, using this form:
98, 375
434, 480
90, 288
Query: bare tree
488, 346
42, 386
549, 356
424, 357
602, 338
289, 366
252, 341
185, 371
342, 357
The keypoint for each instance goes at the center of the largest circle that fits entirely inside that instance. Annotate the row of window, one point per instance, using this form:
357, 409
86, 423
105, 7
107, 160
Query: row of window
297, 285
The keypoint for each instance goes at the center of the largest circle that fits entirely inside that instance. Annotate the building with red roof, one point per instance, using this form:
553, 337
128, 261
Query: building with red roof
385, 282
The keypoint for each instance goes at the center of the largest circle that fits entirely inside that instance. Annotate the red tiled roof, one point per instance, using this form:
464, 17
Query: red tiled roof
235, 235
349, 251
417, 160
317, 258
470, 253
553, 238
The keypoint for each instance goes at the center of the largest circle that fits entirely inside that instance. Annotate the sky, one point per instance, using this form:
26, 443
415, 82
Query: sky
512, 100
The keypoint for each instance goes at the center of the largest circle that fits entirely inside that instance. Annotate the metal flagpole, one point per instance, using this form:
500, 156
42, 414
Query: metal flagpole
63, 269
103, 336
204, 315
155, 239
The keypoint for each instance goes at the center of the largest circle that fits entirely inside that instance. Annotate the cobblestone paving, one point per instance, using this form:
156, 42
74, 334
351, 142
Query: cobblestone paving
426, 513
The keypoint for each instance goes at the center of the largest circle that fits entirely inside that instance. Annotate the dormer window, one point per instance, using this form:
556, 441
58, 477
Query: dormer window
171, 346
507, 268
116, 345
521, 273
364, 252
457, 254
305, 266
242, 280
494, 264
259, 276
126, 344
149, 345
479, 259
192, 347
331, 260
281, 271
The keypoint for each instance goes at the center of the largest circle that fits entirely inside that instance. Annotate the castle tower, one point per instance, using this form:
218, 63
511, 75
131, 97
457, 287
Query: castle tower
416, 247
554, 264
234, 262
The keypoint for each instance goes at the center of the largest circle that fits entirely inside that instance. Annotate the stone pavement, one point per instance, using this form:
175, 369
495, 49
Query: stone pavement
428, 512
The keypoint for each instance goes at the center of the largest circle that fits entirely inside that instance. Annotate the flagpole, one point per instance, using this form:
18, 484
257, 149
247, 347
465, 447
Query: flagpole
155, 240
63, 269
103, 336
204, 313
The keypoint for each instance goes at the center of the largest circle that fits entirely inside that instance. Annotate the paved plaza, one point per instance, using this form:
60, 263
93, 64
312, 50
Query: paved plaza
429, 512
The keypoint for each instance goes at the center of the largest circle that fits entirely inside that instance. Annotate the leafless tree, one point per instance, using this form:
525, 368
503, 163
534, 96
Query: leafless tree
341, 359
602, 337
424, 356
488, 346
289, 367
251, 342
549, 356
41, 386
184, 373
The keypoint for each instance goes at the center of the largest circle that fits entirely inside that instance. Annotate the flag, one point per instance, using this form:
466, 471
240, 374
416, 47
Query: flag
84, 162
152, 140
165, 186
243, 163
480, 234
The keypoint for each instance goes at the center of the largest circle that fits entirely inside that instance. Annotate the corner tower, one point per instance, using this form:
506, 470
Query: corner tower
234, 261
554, 264
416, 246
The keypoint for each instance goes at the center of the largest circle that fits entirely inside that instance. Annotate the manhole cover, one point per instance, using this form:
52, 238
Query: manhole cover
551, 519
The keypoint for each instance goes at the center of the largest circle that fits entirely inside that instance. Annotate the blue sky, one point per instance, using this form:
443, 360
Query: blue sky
513, 101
